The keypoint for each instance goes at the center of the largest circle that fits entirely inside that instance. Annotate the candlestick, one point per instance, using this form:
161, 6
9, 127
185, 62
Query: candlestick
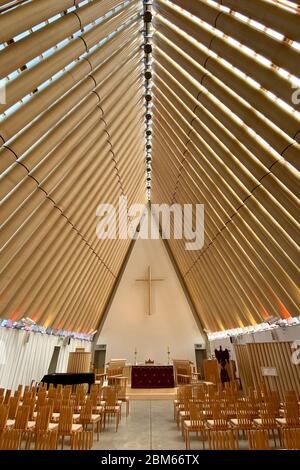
135, 354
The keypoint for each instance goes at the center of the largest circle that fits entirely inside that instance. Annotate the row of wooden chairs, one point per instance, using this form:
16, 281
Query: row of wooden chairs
206, 412
65, 413
10, 439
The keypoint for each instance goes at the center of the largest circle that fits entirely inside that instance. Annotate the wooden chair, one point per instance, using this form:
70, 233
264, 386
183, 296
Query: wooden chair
291, 396
52, 393
199, 392
220, 420
291, 417
222, 440
113, 374
3, 416
66, 427
22, 419
19, 391
67, 391
267, 421
121, 386
183, 375
32, 403
46, 440
291, 438
10, 439
196, 423
185, 395
82, 441
41, 400
42, 423
111, 407
12, 407
258, 439
97, 403
7, 397
80, 396
87, 417
243, 421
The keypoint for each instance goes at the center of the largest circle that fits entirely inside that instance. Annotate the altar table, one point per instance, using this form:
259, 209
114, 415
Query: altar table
152, 377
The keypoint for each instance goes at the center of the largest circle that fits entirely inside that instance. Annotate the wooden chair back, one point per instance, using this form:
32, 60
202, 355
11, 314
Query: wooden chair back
7, 396
65, 420
258, 440
3, 416
182, 371
46, 440
291, 438
52, 393
219, 415
22, 418
12, 407
10, 439
86, 413
28, 394
30, 401
222, 440
82, 440
41, 400
291, 414
268, 417
57, 402
113, 374
291, 396
67, 391
244, 418
199, 392
18, 395
197, 416
111, 397
121, 386
43, 417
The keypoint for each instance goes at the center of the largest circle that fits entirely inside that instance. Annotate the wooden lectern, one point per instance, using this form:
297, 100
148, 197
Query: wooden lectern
212, 370
79, 362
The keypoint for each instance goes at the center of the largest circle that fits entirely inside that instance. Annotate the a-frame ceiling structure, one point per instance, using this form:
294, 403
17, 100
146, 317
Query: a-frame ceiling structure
218, 89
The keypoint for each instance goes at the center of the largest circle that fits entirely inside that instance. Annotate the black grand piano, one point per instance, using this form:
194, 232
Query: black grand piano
69, 378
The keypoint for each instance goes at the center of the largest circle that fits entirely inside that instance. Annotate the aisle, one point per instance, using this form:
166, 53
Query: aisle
149, 426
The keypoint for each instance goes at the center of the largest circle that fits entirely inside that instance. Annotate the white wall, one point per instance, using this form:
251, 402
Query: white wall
172, 323
22, 361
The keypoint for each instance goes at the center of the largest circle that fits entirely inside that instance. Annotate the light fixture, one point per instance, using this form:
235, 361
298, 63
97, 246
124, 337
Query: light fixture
28, 321
92, 332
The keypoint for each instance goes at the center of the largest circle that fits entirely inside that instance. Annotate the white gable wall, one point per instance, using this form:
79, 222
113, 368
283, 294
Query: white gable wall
128, 326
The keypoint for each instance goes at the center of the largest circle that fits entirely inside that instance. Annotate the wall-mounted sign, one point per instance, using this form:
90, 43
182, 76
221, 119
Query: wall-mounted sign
269, 371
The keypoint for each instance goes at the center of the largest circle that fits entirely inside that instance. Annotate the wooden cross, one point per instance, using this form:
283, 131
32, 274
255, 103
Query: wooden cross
149, 279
